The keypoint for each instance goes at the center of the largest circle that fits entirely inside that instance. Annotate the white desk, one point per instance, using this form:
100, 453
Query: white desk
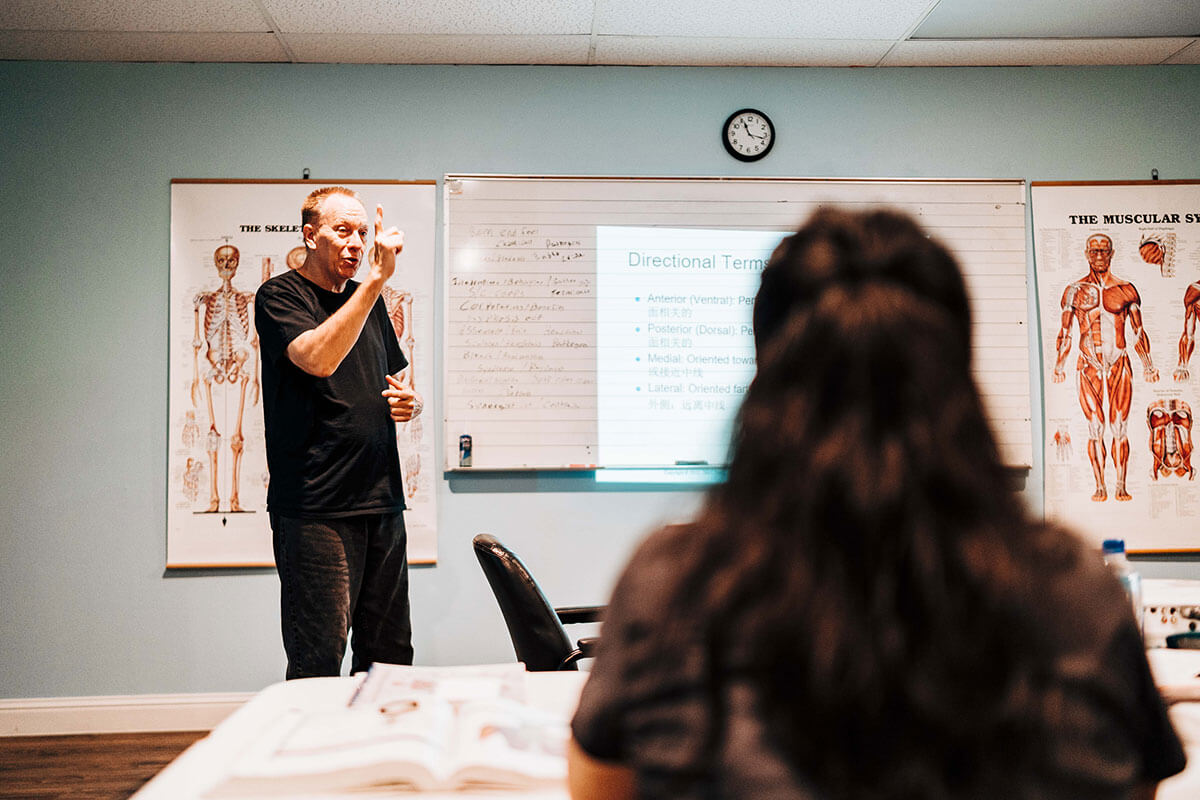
1175, 673
202, 765
1185, 785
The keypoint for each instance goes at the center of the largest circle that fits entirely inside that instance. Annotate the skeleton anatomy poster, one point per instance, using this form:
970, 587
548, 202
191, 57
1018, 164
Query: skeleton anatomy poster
1118, 278
227, 237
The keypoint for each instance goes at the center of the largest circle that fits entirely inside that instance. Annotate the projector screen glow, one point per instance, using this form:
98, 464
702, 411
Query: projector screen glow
675, 346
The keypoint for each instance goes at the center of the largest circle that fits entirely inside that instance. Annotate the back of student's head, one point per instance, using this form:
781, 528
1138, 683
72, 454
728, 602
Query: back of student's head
848, 559
864, 397
839, 248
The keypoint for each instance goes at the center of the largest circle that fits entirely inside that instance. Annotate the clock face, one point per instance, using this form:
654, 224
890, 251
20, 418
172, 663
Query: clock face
748, 134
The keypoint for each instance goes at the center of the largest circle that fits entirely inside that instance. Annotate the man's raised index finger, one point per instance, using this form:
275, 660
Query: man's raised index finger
378, 220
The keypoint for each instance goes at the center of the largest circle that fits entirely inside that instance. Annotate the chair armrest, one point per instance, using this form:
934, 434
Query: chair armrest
584, 648
570, 615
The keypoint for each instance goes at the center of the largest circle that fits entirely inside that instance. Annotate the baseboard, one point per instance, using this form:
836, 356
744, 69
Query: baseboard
48, 716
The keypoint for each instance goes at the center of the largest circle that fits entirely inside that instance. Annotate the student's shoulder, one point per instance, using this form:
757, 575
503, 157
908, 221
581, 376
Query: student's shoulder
1070, 581
654, 567
1060, 553
666, 544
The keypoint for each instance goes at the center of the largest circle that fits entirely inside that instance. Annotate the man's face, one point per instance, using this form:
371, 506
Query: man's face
339, 238
226, 259
1099, 252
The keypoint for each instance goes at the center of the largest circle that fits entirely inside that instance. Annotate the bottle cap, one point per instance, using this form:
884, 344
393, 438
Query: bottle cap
1113, 546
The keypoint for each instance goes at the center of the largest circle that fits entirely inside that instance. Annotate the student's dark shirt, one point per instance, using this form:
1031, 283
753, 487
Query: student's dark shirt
653, 710
331, 442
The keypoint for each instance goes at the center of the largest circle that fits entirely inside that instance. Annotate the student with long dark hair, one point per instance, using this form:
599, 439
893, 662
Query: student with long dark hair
864, 609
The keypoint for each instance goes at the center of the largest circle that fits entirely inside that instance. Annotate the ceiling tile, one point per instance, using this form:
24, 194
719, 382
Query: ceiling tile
1188, 55
798, 19
126, 15
432, 16
1031, 52
402, 49
1034, 19
119, 46
728, 52
658, 32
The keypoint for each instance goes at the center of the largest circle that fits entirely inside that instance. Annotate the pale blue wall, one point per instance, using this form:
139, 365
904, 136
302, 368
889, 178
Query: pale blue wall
87, 155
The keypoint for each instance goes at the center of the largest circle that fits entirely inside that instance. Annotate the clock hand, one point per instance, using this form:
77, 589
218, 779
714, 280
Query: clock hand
751, 133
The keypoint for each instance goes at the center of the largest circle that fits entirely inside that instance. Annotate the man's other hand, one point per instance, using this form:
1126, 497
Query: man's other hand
404, 403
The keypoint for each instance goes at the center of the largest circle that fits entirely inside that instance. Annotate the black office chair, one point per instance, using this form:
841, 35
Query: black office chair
536, 627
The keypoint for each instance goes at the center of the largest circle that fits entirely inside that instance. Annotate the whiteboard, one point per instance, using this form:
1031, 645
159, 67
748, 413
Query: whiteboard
604, 322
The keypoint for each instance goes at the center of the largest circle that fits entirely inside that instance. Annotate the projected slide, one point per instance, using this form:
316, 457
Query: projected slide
675, 347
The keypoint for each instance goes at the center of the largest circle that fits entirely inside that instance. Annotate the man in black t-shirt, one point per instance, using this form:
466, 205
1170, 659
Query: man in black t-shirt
331, 398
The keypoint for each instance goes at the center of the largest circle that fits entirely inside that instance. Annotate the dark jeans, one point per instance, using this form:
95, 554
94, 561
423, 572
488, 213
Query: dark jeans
340, 575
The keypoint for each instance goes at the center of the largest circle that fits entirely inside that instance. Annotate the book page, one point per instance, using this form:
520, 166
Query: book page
501, 742
347, 748
428, 728
386, 683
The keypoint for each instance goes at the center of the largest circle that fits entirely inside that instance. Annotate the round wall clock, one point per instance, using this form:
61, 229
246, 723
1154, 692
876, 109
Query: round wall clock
748, 134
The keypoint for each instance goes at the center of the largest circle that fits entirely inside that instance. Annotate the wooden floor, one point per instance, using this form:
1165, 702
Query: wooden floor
94, 766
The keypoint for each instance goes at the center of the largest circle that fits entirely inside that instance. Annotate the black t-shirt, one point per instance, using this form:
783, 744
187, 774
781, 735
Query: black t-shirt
331, 442
649, 704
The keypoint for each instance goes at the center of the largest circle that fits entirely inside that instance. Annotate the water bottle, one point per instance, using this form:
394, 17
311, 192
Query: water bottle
1114, 556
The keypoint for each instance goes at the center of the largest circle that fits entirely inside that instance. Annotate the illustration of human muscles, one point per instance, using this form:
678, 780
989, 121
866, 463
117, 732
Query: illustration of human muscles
1152, 251
1159, 249
1170, 424
1104, 307
1062, 444
1187, 342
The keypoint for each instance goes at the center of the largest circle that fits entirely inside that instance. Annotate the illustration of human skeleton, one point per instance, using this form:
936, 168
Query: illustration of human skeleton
1171, 438
191, 431
223, 331
295, 258
193, 473
399, 307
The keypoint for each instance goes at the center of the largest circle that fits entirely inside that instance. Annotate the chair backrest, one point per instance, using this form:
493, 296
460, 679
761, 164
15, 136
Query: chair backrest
536, 631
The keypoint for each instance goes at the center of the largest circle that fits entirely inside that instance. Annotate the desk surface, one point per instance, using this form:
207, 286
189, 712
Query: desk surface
202, 765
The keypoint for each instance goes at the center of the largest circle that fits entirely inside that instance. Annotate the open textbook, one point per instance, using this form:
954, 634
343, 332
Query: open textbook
424, 728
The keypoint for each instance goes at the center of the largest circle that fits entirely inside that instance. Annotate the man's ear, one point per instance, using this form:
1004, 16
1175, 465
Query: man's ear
309, 232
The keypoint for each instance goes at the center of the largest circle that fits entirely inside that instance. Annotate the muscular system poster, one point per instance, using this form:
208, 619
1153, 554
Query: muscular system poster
1118, 279
227, 237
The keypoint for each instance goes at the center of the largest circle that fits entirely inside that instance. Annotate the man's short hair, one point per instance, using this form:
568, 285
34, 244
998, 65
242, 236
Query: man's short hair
310, 212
